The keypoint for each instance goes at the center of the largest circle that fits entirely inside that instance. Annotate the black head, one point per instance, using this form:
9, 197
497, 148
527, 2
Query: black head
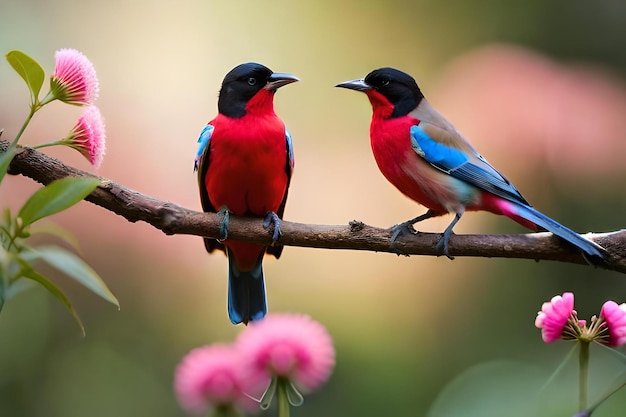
399, 88
243, 82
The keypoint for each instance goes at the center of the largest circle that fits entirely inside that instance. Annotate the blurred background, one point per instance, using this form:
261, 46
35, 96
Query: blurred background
538, 87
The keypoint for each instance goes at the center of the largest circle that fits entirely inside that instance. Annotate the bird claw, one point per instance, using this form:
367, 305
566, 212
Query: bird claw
272, 218
225, 215
442, 247
407, 228
400, 230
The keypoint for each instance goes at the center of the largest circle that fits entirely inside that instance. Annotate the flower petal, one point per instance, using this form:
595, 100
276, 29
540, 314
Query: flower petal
292, 346
88, 136
554, 315
212, 376
74, 80
614, 316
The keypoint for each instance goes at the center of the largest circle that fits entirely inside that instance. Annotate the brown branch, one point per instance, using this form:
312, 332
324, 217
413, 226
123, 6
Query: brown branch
173, 219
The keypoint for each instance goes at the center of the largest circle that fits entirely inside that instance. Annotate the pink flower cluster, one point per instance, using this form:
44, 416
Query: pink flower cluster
290, 346
554, 315
212, 375
88, 136
558, 320
615, 318
74, 81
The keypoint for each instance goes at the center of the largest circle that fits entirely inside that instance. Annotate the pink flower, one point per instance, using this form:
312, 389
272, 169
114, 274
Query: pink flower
615, 320
88, 136
212, 377
554, 316
291, 346
74, 79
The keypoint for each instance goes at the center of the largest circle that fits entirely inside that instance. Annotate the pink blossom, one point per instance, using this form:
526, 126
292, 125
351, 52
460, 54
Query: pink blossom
292, 346
210, 377
554, 315
74, 79
614, 316
88, 136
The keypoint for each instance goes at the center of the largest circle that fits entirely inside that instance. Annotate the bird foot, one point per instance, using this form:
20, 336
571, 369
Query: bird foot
400, 230
225, 215
272, 218
443, 245
407, 228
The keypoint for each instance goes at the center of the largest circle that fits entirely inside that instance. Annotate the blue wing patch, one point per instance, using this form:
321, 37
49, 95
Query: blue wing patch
437, 154
203, 140
290, 154
458, 165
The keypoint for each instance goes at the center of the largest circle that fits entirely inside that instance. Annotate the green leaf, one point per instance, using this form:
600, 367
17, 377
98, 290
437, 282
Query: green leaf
5, 159
491, 389
75, 268
53, 229
5, 230
55, 197
29, 70
18, 287
29, 272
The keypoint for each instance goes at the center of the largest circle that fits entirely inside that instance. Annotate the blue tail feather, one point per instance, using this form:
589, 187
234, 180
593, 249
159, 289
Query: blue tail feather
246, 292
592, 251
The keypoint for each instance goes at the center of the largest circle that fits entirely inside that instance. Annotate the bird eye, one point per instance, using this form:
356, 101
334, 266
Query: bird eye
251, 81
384, 83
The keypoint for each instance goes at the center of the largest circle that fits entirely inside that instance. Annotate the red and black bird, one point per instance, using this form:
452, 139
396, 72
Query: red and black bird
425, 157
244, 165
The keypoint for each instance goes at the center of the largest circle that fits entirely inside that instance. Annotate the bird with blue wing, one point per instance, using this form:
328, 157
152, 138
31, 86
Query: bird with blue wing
244, 162
423, 155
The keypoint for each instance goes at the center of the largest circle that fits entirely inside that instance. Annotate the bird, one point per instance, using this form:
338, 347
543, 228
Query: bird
426, 158
244, 164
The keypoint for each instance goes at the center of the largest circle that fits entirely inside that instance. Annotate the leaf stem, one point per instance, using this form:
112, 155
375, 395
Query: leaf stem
283, 398
583, 361
45, 145
33, 108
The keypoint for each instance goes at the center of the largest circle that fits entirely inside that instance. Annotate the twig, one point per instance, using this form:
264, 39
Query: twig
173, 219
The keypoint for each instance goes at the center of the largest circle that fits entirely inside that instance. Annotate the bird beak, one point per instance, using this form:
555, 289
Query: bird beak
358, 85
278, 79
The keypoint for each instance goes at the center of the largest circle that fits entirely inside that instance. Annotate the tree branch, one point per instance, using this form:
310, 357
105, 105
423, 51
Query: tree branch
173, 219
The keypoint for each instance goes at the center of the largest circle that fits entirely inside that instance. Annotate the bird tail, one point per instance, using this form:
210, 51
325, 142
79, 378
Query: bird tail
593, 253
246, 292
